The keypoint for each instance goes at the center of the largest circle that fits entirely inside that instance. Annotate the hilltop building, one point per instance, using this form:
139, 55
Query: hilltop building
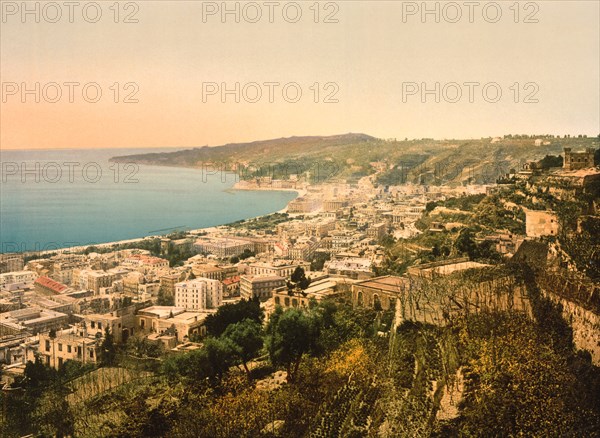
541, 223
578, 160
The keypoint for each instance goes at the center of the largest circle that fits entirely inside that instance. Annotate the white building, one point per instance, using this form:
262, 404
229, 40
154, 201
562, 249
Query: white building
17, 277
199, 294
282, 268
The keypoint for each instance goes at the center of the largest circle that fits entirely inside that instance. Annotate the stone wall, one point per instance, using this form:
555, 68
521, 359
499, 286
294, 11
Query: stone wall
585, 324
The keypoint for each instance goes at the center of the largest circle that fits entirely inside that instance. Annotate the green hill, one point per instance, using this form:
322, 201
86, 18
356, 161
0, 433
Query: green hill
351, 156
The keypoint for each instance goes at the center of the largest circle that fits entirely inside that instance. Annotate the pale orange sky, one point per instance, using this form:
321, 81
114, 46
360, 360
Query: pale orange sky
369, 53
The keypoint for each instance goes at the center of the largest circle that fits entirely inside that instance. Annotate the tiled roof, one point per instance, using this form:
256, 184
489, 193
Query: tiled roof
55, 286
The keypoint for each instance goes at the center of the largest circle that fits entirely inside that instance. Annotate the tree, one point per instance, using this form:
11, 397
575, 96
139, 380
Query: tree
465, 243
108, 349
246, 254
291, 334
140, 346
298, 279
219, 357
319, 260
193, 366
245, 340
36, 374
53, 416
164, 299
228, 314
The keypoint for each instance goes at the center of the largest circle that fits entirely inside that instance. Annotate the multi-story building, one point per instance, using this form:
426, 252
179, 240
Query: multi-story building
341, 240
17, 277
121, 323
304, 204
199, 294
66, 345
168, 282
407, 213
165, 319
47, 286
231, 286
223, 246
281, 268
334, 204
87, 279
377, 231
355, 268
62, 269
578, 160
260, 286
11, 262
132, 282
144, 263
32, 320
303, 249
207, 270
148, 290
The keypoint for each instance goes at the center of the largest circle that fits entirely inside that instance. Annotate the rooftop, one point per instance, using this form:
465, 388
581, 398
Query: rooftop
387, 283
162, 312
260, 278
55, 286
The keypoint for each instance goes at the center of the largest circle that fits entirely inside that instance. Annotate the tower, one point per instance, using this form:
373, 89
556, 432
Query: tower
578, 160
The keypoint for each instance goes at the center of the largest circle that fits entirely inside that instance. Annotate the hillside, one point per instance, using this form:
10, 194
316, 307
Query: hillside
256, 150
351, 156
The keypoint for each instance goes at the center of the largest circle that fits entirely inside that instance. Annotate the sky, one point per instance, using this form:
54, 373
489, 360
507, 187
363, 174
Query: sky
164, 73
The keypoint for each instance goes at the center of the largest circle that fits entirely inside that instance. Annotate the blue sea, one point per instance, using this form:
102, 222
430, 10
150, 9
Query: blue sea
61, 198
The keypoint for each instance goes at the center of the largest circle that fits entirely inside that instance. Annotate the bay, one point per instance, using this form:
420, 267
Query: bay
61, 198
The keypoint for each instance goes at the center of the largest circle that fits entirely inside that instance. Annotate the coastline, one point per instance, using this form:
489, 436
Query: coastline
242, 186
236, 187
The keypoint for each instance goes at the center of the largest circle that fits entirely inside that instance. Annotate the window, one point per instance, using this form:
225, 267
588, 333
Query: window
47, 345
68, 349
99, 325
59, 347
92, 324
92, 354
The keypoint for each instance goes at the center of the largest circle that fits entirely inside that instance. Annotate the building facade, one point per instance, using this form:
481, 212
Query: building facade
11, 262
55, 351
199, 294
259, 286
380, 293
541, 223
578, 160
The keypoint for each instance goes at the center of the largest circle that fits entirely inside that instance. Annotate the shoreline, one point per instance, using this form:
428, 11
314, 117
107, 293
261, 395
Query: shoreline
241, 187
213, 228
